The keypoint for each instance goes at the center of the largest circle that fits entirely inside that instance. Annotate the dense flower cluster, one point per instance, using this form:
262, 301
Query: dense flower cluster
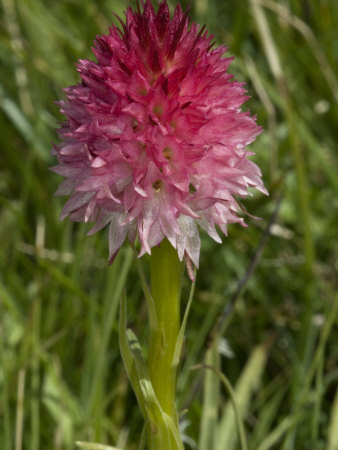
155, 141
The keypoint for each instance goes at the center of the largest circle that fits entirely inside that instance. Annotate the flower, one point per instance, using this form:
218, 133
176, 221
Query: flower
155, 140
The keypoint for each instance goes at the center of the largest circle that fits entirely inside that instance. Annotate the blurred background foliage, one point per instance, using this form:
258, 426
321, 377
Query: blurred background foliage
274, 284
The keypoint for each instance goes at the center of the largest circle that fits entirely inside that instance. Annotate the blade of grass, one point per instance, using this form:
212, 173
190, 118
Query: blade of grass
268, 415
310, 37
94, 446
35, 377
245, 387
333, 427
20, 410
305, 392
61, 404
211, 389
5, 410
108, 325
307, 339
232, 395
276, 435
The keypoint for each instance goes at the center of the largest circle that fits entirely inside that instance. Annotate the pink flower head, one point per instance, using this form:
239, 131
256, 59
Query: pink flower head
155, 140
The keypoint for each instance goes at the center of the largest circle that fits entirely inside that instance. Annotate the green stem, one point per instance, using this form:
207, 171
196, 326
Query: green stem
166, 275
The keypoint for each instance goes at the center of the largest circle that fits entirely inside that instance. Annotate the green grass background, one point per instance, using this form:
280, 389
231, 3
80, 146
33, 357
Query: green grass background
61, 376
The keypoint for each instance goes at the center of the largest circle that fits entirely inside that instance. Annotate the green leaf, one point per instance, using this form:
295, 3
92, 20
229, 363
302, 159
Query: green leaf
128, 358
179, 342
161, 424
142, 444
149, 399
147, 293
158, 420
